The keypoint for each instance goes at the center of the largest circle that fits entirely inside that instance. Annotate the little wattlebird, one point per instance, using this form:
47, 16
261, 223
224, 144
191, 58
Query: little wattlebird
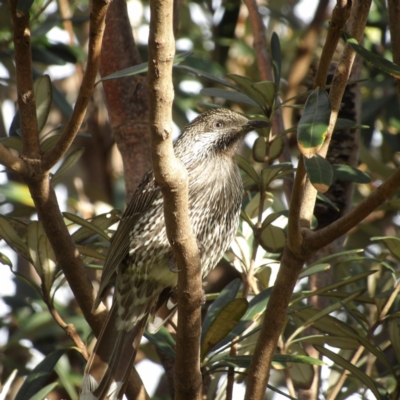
141, 255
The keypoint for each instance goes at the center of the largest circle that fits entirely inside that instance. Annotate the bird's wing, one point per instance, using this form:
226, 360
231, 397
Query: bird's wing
142, 199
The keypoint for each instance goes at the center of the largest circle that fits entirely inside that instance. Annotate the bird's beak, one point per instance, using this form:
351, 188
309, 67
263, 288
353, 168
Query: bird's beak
256, 124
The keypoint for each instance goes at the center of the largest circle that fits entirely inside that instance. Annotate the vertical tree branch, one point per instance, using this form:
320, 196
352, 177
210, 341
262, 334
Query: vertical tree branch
171, 175
127, 98
26, 98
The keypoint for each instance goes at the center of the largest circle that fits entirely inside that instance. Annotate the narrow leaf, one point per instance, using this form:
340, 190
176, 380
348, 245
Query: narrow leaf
276, 58
230, 95
223, 323
248, 168
39, 375
378, 61
226, 296
86, 224
10, 235
43, 98
69, 161
162, 340
337, 359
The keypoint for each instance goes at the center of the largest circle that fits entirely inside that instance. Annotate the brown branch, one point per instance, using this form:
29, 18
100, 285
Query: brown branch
127, 98
318, 239
69, 329
15, 164
340, 15
171, 175
97, 25
26, 98
294, 257
260, 41
394, 26
274, 320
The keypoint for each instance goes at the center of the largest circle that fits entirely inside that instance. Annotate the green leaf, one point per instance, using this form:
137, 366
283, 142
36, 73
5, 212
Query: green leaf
39, 375
347, 124
275, 148
394, 334
276, 58
230, 95
378, 61
223, 323
47, 261
337, 359
267, 90
273, 239
88, 252
226, 296
293, 358
349, 174
391, 242
43, 99
102, 222
319, 172
69, 161
42, 393
12, 142
314, 269
10, 235
206, 75
256, 307
63, 369
268, 174
5, 260
314, 122
341, 342
163, 340
141, 68
86, 224
260, 149
373, 164
34, 232
246, 86
245, 166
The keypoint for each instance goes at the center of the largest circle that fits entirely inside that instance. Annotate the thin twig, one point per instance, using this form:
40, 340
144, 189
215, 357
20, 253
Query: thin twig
97, 25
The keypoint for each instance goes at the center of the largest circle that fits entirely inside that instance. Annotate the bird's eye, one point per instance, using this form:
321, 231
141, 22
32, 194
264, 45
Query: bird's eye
218, 124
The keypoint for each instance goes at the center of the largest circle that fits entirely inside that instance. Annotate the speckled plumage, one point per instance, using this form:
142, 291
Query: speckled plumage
140, 252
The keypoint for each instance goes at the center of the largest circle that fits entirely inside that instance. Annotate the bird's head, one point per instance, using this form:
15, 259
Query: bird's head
214, 133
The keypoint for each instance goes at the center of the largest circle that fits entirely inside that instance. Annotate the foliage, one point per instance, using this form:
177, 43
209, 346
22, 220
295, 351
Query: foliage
359, 320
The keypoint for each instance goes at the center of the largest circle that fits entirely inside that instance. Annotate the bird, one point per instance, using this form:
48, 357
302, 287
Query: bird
141, 256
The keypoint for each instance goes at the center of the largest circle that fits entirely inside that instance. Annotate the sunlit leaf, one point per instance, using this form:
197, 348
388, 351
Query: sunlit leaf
42, 393
226, 296
248, 168
223, 323
391, 242
273, 239
86, 224
10, 235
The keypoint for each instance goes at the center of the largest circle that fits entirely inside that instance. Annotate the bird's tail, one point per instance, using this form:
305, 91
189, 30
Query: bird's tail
109, 366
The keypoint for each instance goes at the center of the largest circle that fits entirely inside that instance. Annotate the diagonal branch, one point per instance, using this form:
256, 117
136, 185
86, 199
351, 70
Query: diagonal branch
12, 162
172, 176
97, 26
